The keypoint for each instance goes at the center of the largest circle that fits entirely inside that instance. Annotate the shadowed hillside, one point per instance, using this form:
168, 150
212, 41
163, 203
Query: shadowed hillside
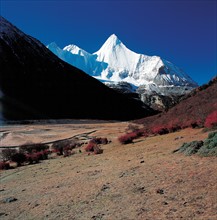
35, 84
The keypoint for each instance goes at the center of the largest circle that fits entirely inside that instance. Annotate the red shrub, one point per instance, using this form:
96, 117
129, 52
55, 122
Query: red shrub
42, 155
211, 120
90, 147
93, 145
173, 128
55, 151
32, 158
126, 139
139, 133
160, 130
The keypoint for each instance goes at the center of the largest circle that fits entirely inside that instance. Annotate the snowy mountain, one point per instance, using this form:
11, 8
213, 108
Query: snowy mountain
115, 63
36, 84
77, 57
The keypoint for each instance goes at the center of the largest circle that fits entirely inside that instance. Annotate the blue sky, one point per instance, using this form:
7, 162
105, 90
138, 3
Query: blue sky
181, 31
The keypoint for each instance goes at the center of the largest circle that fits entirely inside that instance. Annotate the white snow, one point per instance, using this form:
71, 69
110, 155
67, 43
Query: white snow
114, 62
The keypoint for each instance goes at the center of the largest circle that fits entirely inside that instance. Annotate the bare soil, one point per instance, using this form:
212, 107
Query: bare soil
142, 181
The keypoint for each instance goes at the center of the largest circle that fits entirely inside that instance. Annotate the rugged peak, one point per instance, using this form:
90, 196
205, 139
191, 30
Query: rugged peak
75, 50
110, 43
113, 39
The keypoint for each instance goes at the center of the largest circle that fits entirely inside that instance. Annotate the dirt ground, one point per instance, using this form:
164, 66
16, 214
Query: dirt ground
142, 181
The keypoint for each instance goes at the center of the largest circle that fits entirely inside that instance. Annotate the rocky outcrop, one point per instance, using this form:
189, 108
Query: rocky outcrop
163, 100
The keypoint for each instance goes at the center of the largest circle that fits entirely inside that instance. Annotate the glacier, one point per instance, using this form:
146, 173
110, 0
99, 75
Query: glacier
115, 63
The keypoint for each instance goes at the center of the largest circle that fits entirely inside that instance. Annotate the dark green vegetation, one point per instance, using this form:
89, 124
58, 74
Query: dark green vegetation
206, 148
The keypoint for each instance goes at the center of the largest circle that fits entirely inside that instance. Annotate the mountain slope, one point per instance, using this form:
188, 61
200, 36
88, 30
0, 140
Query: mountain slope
36, 84
192, 110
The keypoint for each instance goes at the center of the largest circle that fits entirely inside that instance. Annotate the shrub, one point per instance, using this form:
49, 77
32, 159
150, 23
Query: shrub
67, 151
99, 140
93, 145
210, 146
190, 148
90, 147
173, 128
26, 148
139, 133
104, 141
97, 150
4, 165
160, 130
32, 158
211, 120
212, 135
206, 148
33, 148
42, 155
8, 153
127, 138
64, 145
19, 158
197, 124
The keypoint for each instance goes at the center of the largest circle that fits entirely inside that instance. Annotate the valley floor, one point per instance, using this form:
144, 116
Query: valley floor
142, 181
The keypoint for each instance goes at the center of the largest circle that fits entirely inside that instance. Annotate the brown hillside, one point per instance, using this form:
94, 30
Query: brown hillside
191, 111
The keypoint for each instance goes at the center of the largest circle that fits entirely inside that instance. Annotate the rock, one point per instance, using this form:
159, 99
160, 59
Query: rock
105, 187
139, 189
160, 191
98, 216
3, 214
9, 200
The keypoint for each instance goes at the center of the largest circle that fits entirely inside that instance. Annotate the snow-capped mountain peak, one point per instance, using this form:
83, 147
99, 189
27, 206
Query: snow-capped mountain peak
76, 50
116, 63
117, 55
111, 43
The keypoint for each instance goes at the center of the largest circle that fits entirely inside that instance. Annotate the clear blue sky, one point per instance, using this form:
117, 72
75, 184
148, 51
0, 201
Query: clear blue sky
181, 31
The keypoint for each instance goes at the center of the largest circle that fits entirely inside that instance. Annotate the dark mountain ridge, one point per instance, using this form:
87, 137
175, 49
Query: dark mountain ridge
36, 84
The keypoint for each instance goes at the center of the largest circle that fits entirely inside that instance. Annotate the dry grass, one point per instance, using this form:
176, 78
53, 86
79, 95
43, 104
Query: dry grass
142, 180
